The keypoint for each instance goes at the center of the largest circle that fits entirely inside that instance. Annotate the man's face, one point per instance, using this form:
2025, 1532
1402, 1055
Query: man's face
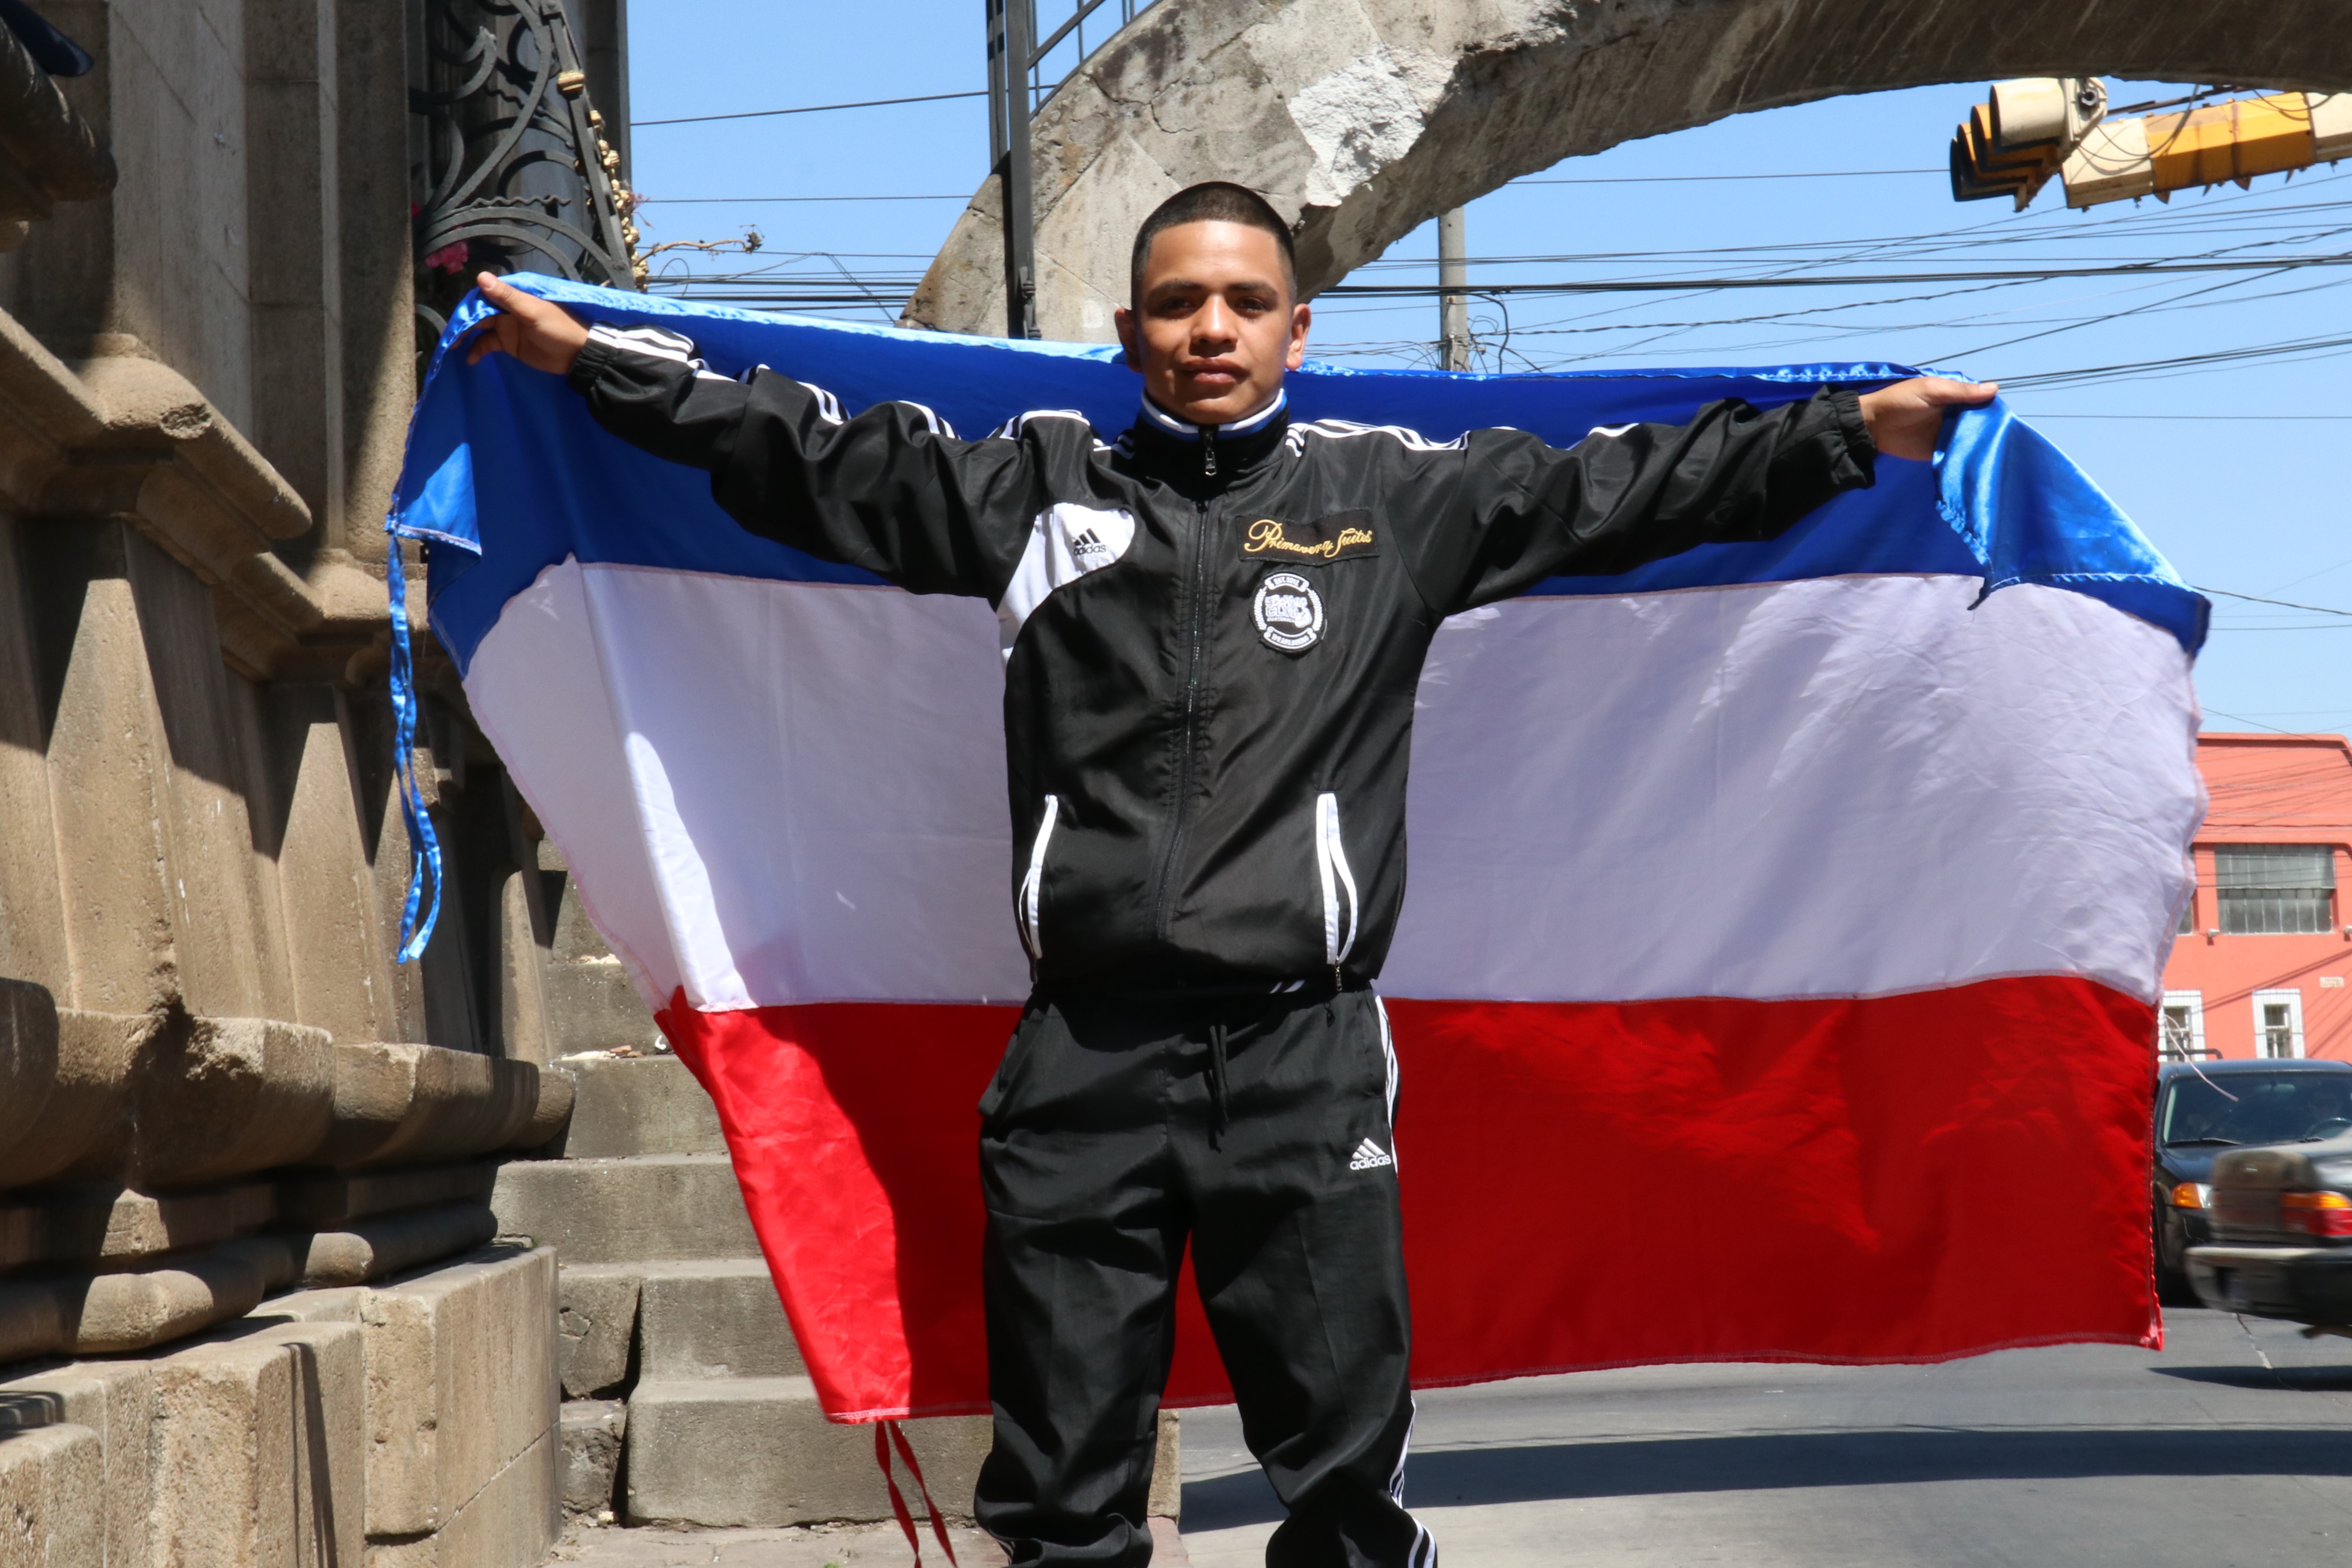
1213, 328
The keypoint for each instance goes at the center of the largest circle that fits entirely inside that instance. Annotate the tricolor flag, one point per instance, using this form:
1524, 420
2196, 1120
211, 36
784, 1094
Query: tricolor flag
1779, 974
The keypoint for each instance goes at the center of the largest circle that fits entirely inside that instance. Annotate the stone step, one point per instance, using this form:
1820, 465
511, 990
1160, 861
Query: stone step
713, 1317
650, 1208
759, 1451
592, 1431
637, 1105
703, 1317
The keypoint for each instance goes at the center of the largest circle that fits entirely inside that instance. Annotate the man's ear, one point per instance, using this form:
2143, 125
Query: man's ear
1300, 316
1122, 322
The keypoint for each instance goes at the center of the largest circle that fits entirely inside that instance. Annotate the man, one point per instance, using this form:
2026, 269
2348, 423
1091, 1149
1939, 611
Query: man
1212, 634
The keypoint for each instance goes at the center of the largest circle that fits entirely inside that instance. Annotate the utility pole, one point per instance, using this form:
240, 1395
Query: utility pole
1453, 301
1012, 50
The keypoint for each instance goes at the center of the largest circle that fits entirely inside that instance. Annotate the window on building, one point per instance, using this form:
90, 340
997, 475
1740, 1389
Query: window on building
2180, 1035
2276, 890
2188, 917
2278, 1023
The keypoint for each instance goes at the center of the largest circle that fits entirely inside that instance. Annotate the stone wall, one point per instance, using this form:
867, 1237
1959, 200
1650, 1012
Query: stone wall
245, 1156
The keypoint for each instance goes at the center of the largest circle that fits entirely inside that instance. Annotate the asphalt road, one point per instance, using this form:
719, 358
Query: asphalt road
2230, 1446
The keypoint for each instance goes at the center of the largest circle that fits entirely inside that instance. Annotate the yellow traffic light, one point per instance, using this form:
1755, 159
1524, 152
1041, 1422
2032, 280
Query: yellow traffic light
2011, 144
2031, 128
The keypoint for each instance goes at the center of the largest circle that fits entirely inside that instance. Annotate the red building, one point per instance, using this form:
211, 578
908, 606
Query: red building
2264, 949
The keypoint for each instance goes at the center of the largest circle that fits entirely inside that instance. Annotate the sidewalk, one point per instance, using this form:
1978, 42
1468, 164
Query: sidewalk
803, 1546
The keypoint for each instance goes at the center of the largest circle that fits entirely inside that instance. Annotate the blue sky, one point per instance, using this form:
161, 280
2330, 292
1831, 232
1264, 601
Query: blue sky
2227, 470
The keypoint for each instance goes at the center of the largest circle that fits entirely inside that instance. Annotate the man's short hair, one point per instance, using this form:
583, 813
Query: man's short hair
1213, 202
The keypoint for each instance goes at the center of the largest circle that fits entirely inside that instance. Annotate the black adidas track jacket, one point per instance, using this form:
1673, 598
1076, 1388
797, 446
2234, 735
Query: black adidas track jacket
1212, 635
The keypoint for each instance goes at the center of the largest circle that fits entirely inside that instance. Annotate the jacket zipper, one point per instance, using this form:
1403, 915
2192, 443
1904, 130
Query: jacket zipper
1332, 868
1033, 935
1165, 901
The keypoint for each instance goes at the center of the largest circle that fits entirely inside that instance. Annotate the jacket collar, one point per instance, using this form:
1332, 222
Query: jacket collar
1208, 457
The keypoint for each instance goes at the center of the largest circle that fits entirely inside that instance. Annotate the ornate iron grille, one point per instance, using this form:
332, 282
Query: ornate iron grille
515, 173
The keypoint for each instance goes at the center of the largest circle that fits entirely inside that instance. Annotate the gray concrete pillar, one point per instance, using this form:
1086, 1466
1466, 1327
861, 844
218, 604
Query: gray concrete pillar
337, 943
294, 279
376, 263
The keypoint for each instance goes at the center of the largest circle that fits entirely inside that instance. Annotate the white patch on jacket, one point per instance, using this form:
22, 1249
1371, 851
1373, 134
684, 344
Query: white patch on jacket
1066, 542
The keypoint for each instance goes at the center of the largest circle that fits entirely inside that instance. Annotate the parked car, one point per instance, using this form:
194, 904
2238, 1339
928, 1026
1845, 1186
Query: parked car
2280, 1217
2206, 1109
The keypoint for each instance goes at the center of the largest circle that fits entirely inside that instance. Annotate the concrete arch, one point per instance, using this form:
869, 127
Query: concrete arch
1361, 119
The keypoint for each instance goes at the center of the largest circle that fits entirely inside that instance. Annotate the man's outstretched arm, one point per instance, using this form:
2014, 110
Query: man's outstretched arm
891, 491
1522, 511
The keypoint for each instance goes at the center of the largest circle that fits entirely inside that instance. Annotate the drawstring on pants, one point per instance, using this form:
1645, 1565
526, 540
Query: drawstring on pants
1219, 1118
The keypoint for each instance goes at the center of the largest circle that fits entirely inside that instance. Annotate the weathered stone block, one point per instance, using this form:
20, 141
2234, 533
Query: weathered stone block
461, 1384
759, 1451
88, 1314
52, 1513
217, 1097
510, 1523
116, 1400
714, 1318
637, 1105
596, 1319
138, 1225
620, 1211
408, 1104
28, 1059
256, 1448
332, 1304
549, 1114
319, 1201
134, 1311
1168, 1469
32, 1320
593, 1431
80, 1118
388, 1243
590, 1006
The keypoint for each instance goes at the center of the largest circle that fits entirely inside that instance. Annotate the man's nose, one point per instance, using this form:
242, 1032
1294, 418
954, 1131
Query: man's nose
1215, 328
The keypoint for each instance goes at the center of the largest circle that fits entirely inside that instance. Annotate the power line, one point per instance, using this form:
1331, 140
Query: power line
2281, 603
966, 195
808, 109
1845, 280
713, 201
2258, 723
1680, 179
2181, 364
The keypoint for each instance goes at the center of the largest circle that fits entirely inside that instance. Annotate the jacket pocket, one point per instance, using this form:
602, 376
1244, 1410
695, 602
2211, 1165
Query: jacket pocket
1338, 881
1024, 909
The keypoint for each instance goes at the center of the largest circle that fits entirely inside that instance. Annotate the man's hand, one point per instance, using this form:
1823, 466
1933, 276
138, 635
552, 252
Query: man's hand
1904, 418
544, 336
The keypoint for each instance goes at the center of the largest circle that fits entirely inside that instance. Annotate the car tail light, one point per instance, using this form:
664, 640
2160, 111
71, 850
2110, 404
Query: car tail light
2191, 1195
2316, 1213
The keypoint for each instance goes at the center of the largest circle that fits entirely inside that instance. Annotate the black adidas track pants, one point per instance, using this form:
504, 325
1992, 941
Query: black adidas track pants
1260, 1128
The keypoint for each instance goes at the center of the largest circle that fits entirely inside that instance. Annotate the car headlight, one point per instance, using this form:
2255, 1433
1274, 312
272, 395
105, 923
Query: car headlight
2192, 1194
